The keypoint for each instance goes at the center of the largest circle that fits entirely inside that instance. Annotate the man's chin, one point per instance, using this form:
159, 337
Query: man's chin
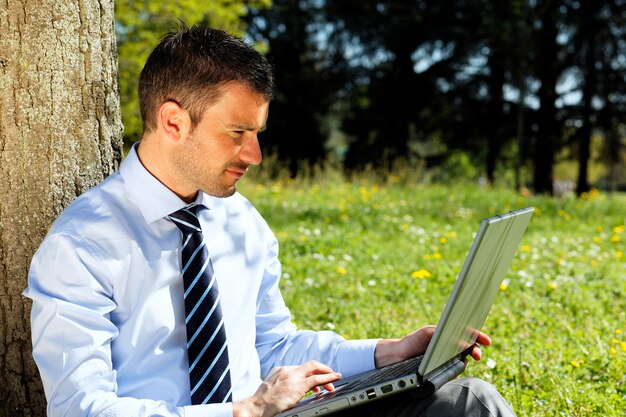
222, 193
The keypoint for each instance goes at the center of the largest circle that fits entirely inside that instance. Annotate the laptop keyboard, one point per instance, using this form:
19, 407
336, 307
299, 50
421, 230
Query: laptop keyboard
392, 371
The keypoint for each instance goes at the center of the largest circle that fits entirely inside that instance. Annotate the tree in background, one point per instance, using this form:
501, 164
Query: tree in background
520, 27
140, 25
596, 36
498, 40
427, 77
547, 70
60, 133
430, 72
296, 129
389, 100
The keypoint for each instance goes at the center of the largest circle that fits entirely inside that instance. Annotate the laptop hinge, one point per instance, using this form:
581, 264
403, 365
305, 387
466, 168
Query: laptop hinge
440, 376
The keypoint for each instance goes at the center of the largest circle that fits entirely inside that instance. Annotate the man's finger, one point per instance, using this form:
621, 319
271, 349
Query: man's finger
483, 339
323, 380
329, 387
476, 353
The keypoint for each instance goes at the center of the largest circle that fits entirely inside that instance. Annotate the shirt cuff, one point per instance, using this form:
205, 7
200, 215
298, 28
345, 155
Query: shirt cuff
356, 356
213, 410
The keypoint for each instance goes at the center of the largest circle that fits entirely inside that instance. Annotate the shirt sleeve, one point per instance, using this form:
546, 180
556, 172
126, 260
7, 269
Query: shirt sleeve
280, 343
72, 333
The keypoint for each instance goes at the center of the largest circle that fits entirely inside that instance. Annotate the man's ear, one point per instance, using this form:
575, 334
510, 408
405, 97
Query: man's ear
173, 120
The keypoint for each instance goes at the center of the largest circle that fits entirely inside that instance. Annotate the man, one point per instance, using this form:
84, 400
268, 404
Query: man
156, 292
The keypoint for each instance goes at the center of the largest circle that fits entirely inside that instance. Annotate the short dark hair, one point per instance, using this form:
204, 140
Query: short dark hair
190, 65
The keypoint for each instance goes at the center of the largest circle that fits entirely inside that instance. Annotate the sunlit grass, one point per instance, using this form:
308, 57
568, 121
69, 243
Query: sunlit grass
378, 259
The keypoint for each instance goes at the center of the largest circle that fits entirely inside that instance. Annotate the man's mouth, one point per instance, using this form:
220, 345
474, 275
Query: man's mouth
236, 174
237, 171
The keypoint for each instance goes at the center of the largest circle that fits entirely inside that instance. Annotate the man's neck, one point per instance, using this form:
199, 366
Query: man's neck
154, 160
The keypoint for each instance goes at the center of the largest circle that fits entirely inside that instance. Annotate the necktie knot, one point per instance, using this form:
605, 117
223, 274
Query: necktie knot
186, 219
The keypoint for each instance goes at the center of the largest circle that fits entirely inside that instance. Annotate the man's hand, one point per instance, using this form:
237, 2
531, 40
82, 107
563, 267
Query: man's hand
285, 386
390, 351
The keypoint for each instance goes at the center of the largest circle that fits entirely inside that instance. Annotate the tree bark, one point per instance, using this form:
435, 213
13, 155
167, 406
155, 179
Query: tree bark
60, 134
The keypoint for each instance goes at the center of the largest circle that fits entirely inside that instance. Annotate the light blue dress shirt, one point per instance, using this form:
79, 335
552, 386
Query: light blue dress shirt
108, 321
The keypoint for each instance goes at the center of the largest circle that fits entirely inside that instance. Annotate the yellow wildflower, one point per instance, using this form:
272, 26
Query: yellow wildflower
437, 255
564, 214
365, 195
421, 273
615, 238
552, 286
575, 364
341, 270
618, 230
525, 248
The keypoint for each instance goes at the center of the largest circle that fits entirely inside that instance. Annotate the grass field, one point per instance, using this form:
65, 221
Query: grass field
370, 258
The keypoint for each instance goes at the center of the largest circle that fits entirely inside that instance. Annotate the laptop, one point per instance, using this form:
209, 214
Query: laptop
469, 303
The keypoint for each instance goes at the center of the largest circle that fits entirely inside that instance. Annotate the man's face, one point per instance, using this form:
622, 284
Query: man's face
218, 152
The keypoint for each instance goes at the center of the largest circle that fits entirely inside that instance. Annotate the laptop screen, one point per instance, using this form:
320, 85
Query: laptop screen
476, 287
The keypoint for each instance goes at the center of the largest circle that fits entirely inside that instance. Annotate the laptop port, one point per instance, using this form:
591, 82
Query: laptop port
371, 394
386, 388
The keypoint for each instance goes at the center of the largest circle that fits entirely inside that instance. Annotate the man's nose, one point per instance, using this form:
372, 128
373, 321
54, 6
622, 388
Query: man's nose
251, 151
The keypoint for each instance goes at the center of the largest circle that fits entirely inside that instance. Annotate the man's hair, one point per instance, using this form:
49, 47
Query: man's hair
190, 66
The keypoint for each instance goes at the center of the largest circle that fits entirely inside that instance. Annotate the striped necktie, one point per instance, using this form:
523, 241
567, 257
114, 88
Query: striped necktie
209, 372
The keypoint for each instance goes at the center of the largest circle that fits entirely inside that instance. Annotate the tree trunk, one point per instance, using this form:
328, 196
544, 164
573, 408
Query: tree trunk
548, 74
60, 133
500, 47
589, 28
497, 134
584, 134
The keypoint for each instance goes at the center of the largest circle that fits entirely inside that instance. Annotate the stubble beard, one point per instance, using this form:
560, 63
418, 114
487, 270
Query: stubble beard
213, 187
209, 180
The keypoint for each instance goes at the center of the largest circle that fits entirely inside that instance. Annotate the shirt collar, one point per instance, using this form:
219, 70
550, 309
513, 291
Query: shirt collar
154, 199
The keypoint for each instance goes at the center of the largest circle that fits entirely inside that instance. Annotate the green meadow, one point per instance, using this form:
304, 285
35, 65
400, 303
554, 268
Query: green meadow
378, 256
